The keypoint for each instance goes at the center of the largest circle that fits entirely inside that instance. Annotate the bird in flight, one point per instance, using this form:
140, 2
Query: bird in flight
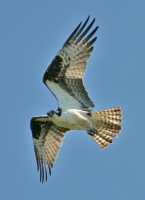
64, 78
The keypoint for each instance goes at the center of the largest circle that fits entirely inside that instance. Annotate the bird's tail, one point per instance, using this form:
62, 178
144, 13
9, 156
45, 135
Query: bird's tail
108, 125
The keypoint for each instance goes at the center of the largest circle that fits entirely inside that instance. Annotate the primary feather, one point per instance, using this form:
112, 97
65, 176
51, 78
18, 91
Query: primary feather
64, 76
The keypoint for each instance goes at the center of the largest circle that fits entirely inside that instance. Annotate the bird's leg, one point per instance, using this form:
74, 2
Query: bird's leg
59, 111
51, 113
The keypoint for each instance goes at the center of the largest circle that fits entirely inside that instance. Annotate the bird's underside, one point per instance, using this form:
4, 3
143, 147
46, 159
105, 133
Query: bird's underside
64, 78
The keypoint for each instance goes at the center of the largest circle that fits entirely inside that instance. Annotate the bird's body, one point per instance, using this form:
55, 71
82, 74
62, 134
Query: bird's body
64, 78
74, 119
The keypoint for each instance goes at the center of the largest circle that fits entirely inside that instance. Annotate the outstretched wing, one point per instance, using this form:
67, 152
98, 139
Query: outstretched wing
64, 76
47, 139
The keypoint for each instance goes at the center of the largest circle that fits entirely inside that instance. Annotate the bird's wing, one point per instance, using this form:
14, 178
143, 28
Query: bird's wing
47, 138
64, 76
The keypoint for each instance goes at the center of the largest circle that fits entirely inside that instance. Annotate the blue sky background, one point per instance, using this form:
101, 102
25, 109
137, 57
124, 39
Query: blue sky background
31, 32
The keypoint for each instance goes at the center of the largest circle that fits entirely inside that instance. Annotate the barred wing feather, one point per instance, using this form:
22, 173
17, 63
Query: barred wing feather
47, 139
64, 76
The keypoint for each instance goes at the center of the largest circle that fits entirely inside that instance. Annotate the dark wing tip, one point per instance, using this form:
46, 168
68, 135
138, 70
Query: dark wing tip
84, 32
44, 170
49, 170
73, 33
43, 174
79, 31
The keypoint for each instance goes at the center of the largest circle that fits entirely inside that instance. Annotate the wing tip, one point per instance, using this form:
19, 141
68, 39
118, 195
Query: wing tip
79, 31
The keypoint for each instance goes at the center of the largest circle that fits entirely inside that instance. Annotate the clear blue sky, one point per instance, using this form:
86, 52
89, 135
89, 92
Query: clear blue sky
31, 32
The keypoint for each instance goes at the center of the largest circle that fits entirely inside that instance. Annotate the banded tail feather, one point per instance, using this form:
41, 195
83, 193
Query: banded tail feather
108, 126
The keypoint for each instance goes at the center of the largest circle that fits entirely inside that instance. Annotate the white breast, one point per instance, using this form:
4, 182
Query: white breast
73, 119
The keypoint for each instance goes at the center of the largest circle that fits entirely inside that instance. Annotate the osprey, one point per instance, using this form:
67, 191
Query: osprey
64, 78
